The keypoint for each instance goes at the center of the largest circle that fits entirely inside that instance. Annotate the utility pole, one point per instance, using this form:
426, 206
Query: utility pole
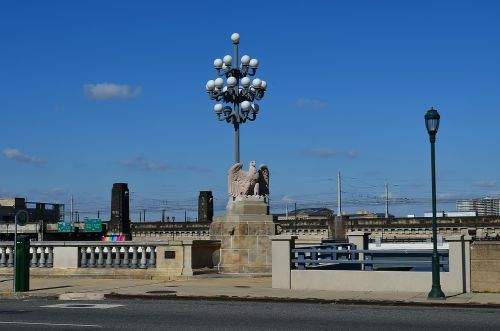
98, 214
286, 210
144, 217
185, 216
163, 215
72, 208
386, 200
140, 216
339, 195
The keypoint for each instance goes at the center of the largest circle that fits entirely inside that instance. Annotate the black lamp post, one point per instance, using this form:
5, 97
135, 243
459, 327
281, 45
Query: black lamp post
432, 123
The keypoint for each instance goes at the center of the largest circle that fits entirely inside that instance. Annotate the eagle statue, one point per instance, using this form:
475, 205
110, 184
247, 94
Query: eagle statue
252, 182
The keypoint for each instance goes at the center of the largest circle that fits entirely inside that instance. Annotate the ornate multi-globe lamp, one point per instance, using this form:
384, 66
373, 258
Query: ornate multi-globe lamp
236, 98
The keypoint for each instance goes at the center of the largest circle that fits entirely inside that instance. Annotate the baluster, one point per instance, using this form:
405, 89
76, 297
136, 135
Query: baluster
117, 257
92, 263
152, 257
126, 261
134, 257
3, 258
109, 257
50, 260
100, 257
143, 264
34, 258
41, 263
10, 262
125, 257
83, 259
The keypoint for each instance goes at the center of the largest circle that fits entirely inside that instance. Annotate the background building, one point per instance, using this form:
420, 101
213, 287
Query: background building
38, 211
483, 206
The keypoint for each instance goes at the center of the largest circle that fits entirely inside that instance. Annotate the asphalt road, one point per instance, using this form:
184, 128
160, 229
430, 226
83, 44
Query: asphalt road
235, 315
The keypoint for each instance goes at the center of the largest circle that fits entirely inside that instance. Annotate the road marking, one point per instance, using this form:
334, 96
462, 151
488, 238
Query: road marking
54, 324
82, 306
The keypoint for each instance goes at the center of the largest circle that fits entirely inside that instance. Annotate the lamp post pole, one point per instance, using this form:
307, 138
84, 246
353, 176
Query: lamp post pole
241, 97
432, 123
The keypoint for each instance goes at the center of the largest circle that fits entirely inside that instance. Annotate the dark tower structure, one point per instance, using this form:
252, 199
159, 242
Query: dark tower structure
205, 207
120, 220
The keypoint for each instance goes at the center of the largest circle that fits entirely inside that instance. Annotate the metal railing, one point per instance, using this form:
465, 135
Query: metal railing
347, 257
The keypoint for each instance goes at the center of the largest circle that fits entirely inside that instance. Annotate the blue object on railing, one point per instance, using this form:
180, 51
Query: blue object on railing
343, 256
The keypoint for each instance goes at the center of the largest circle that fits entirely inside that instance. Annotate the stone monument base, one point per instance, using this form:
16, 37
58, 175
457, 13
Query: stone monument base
244, 234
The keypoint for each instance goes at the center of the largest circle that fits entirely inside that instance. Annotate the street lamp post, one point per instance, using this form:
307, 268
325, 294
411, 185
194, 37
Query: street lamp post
432, 123
241, 97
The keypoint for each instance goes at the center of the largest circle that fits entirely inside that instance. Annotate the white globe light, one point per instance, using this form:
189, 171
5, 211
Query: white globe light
210, 85
245, 81
219, 82
254, 63
263, 85
235, 37
218, 108
218, 63
256, 83
227, 60
255, 108
231, 81
245, 105
224, 89
245, 60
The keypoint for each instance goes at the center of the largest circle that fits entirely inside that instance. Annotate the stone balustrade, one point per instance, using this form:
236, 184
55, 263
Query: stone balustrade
135, 255
162, 257
170, 235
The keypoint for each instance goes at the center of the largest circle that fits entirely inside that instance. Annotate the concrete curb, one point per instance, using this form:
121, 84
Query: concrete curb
81, 296
24, 295
173, 296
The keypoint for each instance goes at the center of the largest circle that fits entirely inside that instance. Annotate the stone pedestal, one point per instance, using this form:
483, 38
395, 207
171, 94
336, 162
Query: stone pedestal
244, 234
337, 228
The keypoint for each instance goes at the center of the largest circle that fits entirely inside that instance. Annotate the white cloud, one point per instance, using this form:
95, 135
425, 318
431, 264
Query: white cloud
140, 163
105, 91
352, 154
486, 183
310, 103
15, 155
450, 195
287, 199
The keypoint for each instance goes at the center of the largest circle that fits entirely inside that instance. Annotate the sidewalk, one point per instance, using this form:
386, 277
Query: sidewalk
219, 287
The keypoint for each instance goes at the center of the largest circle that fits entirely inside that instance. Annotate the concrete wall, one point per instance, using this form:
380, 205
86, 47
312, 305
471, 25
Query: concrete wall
485, 266
66, 257
457, 280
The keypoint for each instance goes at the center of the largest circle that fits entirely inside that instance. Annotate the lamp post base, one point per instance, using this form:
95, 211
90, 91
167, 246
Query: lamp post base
436, 293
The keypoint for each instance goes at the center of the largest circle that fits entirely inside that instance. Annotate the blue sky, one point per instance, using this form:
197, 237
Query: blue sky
98, 92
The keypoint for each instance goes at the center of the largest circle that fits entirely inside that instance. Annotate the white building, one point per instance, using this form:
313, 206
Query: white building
483, 206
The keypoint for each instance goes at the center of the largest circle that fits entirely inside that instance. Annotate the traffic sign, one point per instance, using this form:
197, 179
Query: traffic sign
92, 225
22, 217
65, 227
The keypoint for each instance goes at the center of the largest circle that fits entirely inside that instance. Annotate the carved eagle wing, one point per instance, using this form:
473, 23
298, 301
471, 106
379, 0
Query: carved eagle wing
235, 176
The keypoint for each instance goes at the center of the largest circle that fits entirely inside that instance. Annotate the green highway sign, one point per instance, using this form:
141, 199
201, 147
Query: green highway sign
22, 217
92, 225
65, 227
